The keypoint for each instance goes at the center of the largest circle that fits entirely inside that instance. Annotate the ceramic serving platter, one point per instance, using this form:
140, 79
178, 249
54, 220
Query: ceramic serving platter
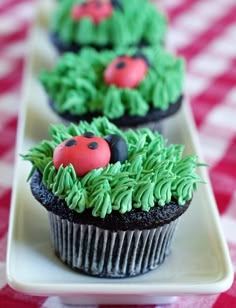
199, 262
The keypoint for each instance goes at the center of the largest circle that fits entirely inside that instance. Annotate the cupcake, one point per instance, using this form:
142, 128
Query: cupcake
113, 198
104, 24
130, 87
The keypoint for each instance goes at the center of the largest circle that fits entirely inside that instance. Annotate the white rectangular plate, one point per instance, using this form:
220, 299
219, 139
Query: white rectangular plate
199, 262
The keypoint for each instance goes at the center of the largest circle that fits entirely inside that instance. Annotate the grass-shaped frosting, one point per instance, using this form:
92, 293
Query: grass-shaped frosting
76, 85
138, 21
153, 175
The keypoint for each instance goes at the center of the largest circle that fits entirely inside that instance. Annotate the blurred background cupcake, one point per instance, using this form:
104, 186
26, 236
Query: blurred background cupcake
131, 87
106, 24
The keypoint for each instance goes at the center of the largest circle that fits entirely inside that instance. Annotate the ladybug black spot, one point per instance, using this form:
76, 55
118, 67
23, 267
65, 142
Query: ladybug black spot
70, 143
93, 145
120, 64
88, 135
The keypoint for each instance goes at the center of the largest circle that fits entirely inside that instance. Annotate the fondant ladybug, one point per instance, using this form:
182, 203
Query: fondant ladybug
90, 152
97, 10
126, 71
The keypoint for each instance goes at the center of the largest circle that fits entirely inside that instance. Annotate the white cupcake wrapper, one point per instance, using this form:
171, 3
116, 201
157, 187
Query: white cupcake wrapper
104, 253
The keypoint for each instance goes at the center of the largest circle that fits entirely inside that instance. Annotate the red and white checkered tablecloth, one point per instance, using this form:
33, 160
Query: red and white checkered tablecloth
204, 32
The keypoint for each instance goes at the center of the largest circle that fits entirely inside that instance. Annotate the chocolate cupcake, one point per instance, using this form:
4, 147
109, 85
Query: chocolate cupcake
106, 24
113, 197
130, 87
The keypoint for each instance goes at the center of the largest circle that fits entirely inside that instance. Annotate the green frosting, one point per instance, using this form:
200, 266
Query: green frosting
76, 84
153, 174
138, 21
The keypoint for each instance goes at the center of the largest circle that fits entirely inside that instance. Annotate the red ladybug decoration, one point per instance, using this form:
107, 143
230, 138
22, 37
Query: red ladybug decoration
97, 10
126, 71
89, 152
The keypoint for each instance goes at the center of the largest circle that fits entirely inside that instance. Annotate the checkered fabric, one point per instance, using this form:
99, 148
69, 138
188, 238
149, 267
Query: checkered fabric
204, 32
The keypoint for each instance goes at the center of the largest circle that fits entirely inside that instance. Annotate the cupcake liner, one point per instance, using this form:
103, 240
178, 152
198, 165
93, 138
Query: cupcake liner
111, 254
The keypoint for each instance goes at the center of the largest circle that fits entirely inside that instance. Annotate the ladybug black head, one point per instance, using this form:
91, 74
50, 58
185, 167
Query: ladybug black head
118, 147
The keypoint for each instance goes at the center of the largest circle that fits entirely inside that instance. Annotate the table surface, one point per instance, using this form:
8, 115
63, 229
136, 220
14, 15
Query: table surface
204, 32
